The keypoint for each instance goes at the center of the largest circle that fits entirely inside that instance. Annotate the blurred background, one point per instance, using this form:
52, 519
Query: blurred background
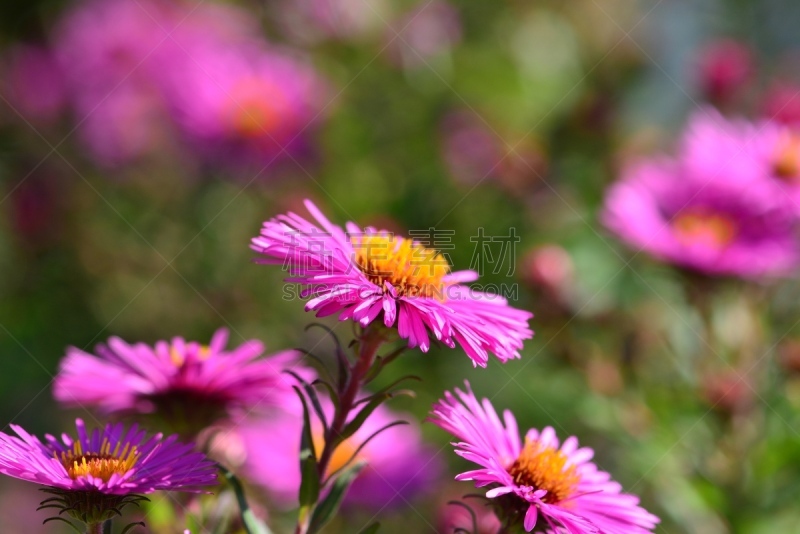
143, 142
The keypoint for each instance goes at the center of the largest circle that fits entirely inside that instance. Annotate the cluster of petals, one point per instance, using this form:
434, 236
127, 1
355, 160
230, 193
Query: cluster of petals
726, 205
594, 505
162, 464
127, 378
320, 256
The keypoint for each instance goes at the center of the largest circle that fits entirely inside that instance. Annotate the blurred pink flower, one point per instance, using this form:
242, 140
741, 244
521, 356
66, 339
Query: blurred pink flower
33, 84
471, 152
112, 54
725, 66
399, 466
718, 208
781, 104
430, 29
539, 481
453, 517
184, 382
762, 159
151, 77
247, 105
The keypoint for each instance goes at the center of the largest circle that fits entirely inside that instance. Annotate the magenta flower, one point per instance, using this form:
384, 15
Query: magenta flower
371, 274
399, 466
720, 208
725, 67
33, 84
186, 383
763, 158
539, 481
245, 105
104, 469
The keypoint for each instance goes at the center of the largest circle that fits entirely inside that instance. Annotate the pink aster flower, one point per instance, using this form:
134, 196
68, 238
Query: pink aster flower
104, 469
539, 481
186, 383
374, 275
245, 104
399, 466
761, 158
719, 207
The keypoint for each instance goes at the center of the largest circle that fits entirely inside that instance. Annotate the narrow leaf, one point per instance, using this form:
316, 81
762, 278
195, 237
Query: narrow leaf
130, 526
252, 525
312, 395
363, 444
330, 504
351, 427
309, 484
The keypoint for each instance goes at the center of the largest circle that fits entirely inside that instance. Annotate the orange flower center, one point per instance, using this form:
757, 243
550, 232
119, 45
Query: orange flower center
102, 464
701, 227
340, 456
256, 109
545, 468
412, 269
178, 358
787, 158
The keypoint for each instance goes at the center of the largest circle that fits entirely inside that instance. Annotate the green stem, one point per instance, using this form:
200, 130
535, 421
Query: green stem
250, 522
94, 528
369, 344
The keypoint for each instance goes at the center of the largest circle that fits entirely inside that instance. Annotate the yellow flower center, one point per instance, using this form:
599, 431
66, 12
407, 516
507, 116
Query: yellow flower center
545, 468
703, 227
178, 358
412, 269
786, 164
102, 464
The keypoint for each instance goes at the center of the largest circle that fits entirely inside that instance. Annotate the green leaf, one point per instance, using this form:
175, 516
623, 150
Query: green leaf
363, 444
387, 389
312, 395
309, 484
330, 504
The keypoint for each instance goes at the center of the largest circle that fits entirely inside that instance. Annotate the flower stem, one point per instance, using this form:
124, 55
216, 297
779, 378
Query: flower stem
94, 528
371, 340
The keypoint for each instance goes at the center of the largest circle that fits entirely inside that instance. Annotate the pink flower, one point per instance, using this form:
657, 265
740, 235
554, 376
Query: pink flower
721, 207
33, 84
372, 274
726, 66
245, 105
399, 466
93, 474
186, 383
538, 481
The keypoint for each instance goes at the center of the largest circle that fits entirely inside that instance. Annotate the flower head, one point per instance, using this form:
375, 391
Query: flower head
720, 207
539, 479
371, 274
104, 469
399, 466
245, 104
187, 383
